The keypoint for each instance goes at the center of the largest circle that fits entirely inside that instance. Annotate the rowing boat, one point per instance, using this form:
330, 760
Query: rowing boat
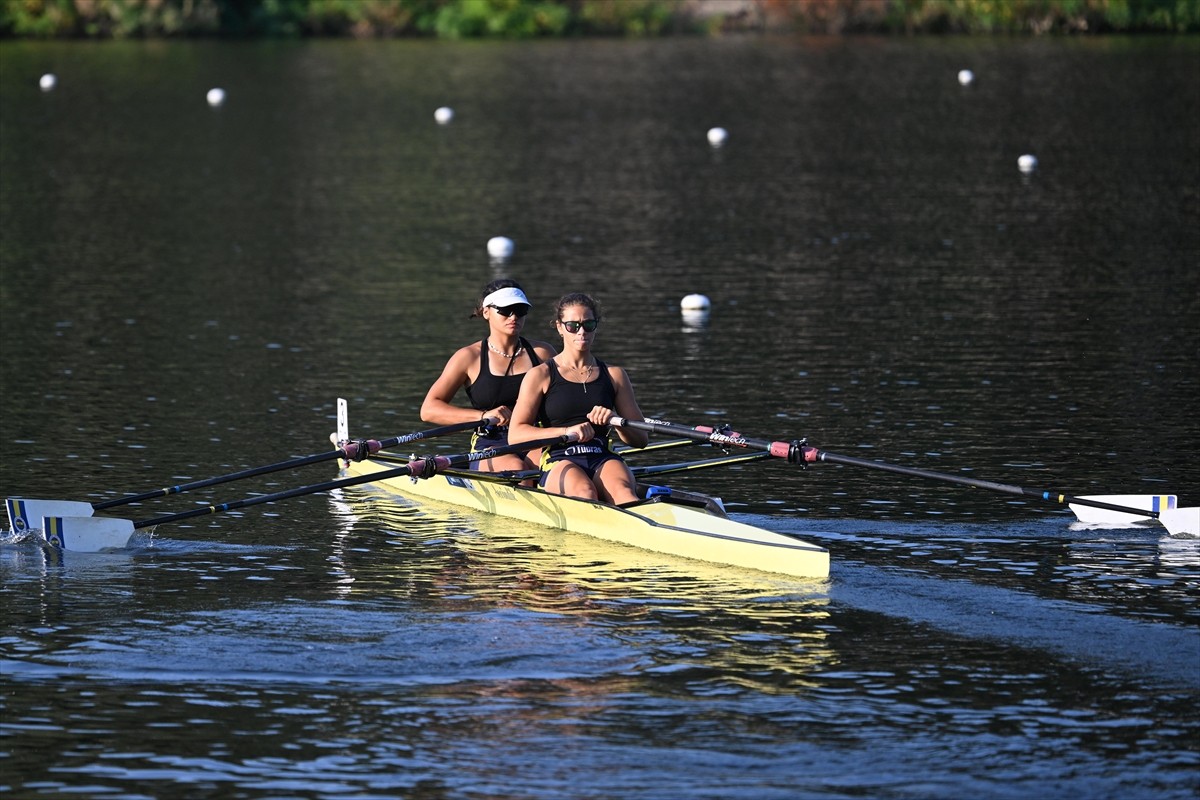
679, 523
665, 521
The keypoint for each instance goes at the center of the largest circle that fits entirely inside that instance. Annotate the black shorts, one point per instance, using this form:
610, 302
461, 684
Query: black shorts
485, 438
588, 456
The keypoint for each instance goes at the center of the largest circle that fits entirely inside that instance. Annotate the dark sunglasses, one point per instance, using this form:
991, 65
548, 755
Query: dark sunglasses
573, 326
511, 311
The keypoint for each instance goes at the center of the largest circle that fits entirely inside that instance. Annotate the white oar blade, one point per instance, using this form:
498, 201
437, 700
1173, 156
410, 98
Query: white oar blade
87, 534
1180, 521
26, 515
1101, 516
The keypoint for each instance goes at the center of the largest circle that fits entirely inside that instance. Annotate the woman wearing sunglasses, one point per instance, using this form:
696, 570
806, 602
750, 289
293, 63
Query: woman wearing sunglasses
491, 371
575, 392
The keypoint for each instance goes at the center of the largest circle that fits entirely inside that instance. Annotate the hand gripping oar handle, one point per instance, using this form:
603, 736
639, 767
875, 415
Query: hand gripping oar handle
352, 451
792, 451
798, 452
425, 467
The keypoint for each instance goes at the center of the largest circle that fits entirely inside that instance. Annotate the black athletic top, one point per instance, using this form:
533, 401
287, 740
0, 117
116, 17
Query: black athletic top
567, 403
490, 391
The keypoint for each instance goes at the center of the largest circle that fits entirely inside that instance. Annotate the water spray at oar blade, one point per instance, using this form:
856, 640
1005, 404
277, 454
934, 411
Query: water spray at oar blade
1177, 521
92, 534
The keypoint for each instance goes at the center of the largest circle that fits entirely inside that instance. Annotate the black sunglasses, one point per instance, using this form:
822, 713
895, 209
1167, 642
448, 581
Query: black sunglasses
511, 311
573, 326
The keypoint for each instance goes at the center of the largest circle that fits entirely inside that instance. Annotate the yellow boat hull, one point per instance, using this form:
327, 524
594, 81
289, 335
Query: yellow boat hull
661, 526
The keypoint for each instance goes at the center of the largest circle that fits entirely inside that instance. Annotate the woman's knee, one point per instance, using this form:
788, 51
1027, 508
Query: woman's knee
568, 479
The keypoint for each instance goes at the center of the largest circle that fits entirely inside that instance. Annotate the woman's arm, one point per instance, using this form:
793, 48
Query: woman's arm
627, 407
437, 408
522, 427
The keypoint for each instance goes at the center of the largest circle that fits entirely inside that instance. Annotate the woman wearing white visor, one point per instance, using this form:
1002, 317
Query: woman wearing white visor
491, 371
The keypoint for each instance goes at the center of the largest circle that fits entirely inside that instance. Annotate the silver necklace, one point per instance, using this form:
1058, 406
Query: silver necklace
499, 352
512, 357
585, 369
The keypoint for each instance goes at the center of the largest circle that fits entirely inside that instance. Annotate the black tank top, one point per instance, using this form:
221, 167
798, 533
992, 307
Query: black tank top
491, 391
567, 403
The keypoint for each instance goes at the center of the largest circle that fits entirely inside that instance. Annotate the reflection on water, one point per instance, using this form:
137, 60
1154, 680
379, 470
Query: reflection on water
1134, 572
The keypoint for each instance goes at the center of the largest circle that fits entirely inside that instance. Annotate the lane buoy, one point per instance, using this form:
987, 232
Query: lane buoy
966, 77
717, 136
48, 81
215, 97
695, 302
500, 247
1027, 163
443, 115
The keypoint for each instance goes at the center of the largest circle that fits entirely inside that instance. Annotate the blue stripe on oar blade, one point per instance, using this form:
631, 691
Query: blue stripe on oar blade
87, 534
25, 514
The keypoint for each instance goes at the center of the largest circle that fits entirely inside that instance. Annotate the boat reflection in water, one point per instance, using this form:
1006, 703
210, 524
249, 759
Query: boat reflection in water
700, 621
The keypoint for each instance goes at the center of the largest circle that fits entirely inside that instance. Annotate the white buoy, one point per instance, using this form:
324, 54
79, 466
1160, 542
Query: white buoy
215, 97
500, 247
47, 81
966, 77
1027, 163
443, 115
717, 136
695, 302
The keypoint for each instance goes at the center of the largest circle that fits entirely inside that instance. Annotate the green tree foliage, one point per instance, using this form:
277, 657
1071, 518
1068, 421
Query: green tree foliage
518, 19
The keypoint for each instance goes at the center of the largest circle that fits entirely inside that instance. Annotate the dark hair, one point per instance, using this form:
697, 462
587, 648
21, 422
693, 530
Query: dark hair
575, 299
496, 285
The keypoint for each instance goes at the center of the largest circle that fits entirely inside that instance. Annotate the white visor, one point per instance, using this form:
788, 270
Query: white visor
503, 298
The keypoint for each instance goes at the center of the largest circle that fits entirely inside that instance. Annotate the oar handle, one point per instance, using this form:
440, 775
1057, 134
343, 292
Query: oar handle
792, 451
350, 450
430, 465
417, 468
485, 422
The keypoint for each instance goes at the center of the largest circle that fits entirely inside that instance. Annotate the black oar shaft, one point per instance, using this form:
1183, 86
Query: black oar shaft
271, 498
348, 450
813, 454
418, 467
796, 452
702, 434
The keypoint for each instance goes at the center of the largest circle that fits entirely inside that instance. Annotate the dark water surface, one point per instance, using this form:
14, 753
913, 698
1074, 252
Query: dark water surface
186, 290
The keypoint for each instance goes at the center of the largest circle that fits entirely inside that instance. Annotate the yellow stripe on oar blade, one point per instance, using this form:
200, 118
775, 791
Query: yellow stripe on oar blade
26, 515
87, 534
1151, 503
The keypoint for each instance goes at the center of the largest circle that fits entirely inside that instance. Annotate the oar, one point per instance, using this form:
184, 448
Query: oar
1175, 520
623, 449
92, 534
1145, 502
24, 514
686, 466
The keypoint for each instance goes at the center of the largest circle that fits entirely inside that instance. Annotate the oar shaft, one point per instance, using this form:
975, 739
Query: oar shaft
713, 435
271, 498
685, 466
812, 454
350, 450
417, 468
797, 452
